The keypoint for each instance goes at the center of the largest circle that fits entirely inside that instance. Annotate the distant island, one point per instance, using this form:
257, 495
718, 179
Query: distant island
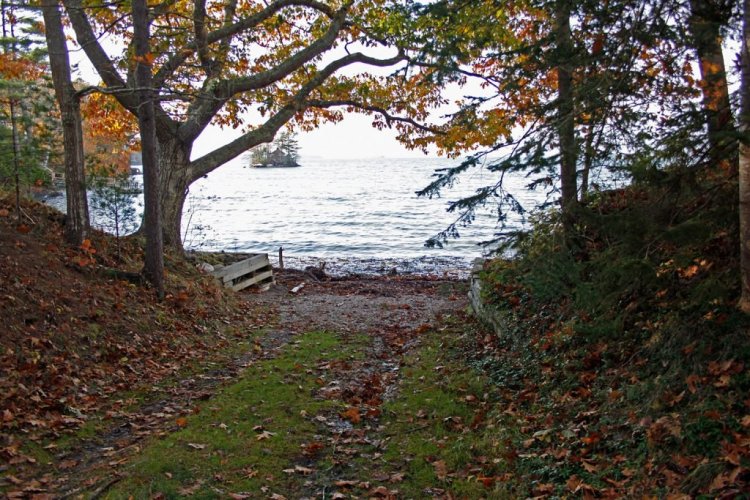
283, 152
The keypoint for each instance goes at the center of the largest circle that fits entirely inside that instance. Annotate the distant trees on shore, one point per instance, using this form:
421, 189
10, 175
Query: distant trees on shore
282, 152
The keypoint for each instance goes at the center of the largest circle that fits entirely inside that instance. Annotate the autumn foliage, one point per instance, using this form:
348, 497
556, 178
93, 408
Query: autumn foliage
109, 135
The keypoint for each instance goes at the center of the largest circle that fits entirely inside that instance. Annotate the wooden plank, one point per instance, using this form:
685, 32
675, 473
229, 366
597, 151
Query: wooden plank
241, 285
241, 268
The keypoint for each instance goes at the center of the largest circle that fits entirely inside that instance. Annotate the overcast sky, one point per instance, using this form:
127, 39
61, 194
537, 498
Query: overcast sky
354, 137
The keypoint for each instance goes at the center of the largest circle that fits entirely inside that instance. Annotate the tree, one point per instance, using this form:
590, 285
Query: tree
113, 201
282, 152
612, 91
281, 59
259, 154
77, 218
708, 18
744, 162
289, 147
154, 265
29, 132
566, 114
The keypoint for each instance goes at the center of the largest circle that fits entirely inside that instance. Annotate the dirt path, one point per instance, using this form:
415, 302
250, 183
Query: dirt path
376, 320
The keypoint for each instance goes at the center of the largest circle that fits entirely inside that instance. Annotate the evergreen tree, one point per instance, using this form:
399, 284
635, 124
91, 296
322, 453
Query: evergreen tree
615, 96
30, 136
114, 204
289, 146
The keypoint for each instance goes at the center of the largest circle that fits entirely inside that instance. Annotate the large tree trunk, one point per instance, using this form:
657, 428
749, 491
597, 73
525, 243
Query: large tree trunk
77, 221
154, 265
744, 163
174, 160
565, 111
707, 19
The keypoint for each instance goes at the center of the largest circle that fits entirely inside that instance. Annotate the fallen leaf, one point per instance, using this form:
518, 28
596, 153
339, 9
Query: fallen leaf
346, 483
487, 482
692, 383
67, 464
352, 414
591, 439
380, 491
264, 435
305, 471
589, 466
397, 477
196, 446
181, 422
543, 489
190, 490
441, 469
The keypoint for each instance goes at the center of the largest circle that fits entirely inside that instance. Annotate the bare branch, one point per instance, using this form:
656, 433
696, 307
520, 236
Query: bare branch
94, 51
389, 118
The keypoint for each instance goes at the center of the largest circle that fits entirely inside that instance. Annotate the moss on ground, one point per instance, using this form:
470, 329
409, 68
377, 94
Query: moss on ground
243, 439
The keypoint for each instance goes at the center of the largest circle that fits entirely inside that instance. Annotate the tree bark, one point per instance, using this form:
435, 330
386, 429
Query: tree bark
744, 163
154, 260
707, 19
565, 111
174, 163
77, 220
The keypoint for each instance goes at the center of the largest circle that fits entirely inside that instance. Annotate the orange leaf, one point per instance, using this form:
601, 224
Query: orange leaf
181, 422
692, 381
591, 439
352, 414
486, 481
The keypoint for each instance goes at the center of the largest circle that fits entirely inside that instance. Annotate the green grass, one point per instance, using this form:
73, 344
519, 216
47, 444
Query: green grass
430, 423
220, 450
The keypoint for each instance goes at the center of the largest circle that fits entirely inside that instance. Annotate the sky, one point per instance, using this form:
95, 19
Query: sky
352, 138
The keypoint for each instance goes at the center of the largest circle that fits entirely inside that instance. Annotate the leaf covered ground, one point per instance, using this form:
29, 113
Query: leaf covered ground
357, 388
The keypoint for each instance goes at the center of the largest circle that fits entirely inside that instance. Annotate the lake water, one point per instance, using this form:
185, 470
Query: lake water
357, 215
362, 214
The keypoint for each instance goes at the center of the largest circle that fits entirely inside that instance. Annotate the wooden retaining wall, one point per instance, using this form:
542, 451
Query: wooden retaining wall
255, 270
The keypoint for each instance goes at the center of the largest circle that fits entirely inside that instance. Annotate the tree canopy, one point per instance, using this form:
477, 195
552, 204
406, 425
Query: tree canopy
286, 61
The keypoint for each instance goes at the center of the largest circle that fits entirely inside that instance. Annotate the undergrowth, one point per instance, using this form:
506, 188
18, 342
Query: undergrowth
625, 358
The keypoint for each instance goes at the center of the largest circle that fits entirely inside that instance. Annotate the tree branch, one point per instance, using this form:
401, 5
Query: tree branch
389, 118
205, 108
96, 54
200, 32
267, 131
228, 31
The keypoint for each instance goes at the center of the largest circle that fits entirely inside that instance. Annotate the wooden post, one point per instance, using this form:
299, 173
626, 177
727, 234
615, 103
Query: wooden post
281, 258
